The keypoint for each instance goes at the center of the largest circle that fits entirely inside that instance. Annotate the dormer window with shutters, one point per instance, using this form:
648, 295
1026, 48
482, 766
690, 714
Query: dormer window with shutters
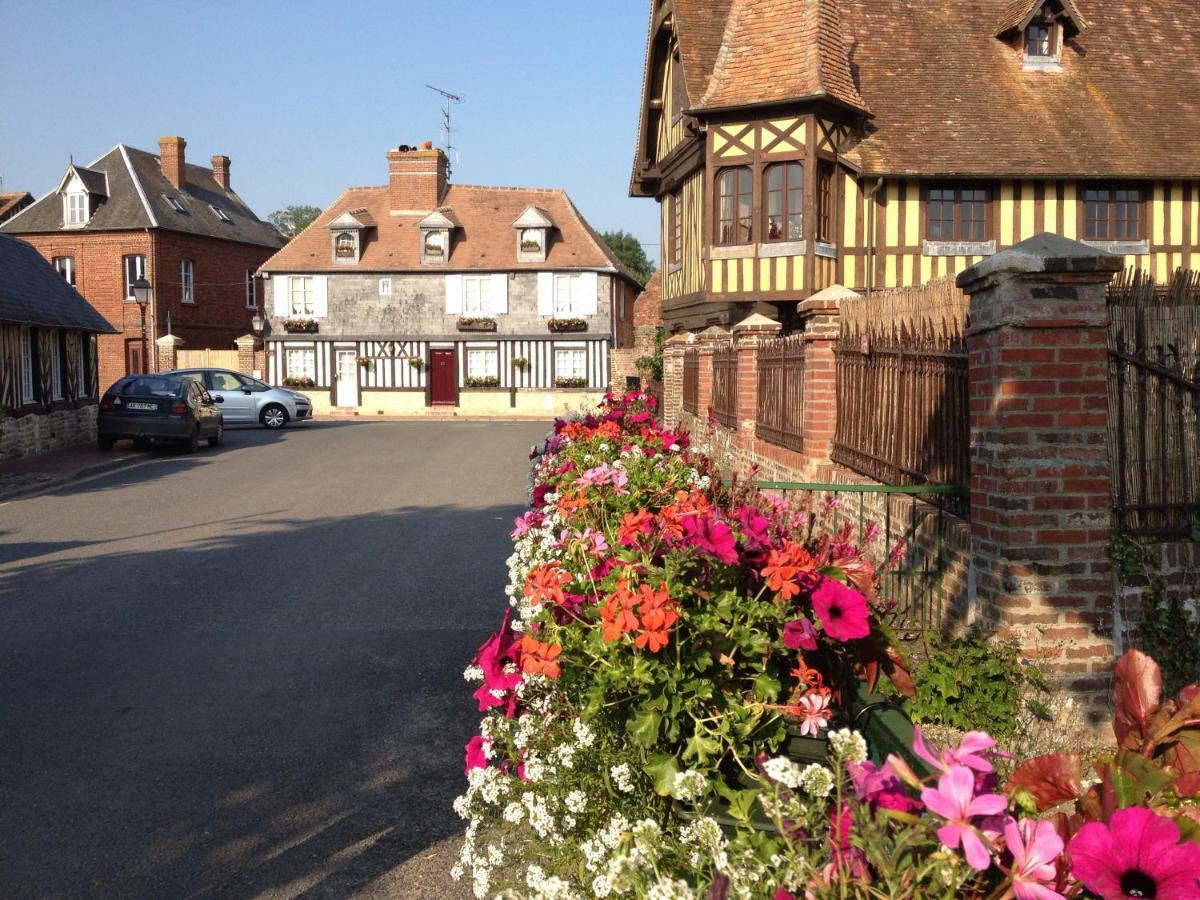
436, 230
533, 229
82, 190
348, 235
1040, 28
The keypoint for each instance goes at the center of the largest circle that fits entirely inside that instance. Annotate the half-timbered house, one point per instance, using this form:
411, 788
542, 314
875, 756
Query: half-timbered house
796, 144
423, 294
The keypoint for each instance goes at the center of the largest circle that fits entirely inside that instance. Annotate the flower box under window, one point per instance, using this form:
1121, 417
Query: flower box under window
570, 381
476, 323
564, 326
303, 382
482, 381
300, 326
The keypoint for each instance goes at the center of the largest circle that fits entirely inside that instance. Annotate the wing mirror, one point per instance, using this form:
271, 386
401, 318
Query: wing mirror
218, 399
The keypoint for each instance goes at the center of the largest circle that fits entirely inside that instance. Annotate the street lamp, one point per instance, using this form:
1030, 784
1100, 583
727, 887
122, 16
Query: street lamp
141, 293
256, 324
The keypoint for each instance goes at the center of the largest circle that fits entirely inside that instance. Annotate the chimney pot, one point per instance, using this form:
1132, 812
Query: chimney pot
171, 155
427, 145
220, 168
416, 178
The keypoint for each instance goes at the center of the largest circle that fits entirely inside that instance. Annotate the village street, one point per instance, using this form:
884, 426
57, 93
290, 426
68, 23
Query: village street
239, 673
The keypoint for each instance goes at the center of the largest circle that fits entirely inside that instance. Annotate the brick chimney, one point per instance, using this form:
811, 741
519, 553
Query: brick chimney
170, 151
220, 166
416, 178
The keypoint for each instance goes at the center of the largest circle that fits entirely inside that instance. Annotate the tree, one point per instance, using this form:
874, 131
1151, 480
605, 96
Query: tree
294, 219
629, 251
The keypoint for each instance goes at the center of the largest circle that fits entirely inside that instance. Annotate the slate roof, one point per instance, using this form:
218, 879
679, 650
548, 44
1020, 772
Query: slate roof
484, 239
137, 192
33, 293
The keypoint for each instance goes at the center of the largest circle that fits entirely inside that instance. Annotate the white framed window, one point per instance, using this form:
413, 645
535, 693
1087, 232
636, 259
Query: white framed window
302, 362
56, 387
344, 246
174, 201
433, 245
135, 268
570, 362
65, 266
301, 288
187, 281
483, 363
26, 365
75, 208
476, 295
385, 287
251, 290
220, 213
568, 294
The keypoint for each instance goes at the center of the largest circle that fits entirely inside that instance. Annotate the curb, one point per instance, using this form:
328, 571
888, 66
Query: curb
100, 468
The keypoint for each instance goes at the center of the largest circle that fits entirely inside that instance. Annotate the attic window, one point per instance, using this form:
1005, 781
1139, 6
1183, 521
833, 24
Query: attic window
76, 208
344, 247
175, 204
1040, 40
533, 240
220, 213
433, 246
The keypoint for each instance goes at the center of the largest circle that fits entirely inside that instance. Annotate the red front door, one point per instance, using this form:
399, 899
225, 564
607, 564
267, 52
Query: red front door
443, 378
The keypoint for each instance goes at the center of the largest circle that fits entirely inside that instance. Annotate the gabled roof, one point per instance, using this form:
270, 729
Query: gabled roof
33, 293
484, 238
442, 217
1021, 12
353, 218
94, 181
532, 217
136, 191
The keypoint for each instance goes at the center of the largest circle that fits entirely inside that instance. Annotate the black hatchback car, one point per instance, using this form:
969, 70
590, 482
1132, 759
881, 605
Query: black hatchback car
151, 408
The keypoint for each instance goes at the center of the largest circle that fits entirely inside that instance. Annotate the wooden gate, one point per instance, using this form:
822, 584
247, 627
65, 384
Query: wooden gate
207, 359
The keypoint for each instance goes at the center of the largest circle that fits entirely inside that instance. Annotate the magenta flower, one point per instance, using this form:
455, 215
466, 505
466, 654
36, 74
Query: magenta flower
1137, 854
799, 634
955, 801
476, 755
842, 611
881, 787
968, 752
500, 658
604, 474
526, 523
1035, 847
711, 536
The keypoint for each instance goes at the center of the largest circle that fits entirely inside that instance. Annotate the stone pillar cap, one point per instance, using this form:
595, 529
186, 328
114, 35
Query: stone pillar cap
831, 296
714, 333
246, 339
757, 322
170, 340
1043, 252
684, 337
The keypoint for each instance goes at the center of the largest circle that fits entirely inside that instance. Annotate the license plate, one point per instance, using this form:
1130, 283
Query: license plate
141, 406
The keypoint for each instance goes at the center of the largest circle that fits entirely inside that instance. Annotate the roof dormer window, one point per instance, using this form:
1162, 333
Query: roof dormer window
175, 204
433, 245
533, 231
220, 213
1040, 40
76, 209
1039, 28
345, 246
436, 229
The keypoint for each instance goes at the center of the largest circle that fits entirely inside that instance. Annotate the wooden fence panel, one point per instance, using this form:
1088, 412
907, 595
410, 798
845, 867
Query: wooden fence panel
207, 359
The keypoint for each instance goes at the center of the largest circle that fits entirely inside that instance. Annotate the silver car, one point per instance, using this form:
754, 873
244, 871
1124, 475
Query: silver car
244, 400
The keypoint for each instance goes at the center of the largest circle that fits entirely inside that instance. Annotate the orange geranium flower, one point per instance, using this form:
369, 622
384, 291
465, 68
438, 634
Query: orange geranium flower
658, 615
546, 583
573, 430
783, 568
616, 615
608, 430
570, 502
539, 658
634, 526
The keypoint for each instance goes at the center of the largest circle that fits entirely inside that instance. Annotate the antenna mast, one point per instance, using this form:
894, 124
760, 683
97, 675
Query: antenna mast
446, 129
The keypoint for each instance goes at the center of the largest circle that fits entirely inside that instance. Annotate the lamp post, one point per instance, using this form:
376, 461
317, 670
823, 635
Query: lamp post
141, 293
256, 325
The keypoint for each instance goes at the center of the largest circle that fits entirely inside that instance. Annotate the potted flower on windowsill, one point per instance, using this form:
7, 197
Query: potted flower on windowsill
570, 381
483, 381
562, 326
476, 323
300, 326
293, 381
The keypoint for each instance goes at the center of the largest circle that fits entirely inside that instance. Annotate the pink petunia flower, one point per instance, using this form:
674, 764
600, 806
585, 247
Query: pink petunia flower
842, 611
476, 753
955, 801
711, 536
1035, 847
799, 634
500, 659
881, 787
814, 708
969, 752
1137, 854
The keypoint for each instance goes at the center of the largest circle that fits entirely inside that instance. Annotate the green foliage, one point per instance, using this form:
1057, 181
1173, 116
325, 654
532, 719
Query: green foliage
1169, 631
294, 219
973, 684
628, 250
653, 365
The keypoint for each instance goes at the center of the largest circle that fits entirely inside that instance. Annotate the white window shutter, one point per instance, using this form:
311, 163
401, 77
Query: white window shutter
281, 289
499, 293
320, 290
588, 285
545, 297
454, 295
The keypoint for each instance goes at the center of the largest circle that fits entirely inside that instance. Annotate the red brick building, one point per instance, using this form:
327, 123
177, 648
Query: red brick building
131, 214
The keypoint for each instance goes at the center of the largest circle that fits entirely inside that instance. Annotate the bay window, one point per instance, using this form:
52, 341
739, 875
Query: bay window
735, 197
785, 202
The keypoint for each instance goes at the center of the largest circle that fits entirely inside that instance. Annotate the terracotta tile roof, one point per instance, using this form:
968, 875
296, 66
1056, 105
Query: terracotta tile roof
779, 50
486, 239
9, 201
700, 28
1019, 12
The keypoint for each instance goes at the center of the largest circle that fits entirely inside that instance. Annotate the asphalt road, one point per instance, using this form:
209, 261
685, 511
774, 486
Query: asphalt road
239, 674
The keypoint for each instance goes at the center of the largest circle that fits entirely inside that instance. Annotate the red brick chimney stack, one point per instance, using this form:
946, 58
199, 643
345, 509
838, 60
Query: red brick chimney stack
220, 167
170, 150
416, 178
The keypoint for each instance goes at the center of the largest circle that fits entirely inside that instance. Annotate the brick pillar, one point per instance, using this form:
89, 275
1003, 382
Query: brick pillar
748, 335
673, 351
168, 352
246, 355
1040, 501
819, 317
707, 340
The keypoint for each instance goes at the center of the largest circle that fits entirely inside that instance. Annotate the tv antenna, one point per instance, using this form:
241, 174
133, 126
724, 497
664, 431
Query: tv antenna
446, 129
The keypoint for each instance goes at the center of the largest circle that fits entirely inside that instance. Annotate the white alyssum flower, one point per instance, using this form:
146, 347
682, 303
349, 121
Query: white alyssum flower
783, 770
601, 886
689, 785
817, 780
473, 673
849, 745
622, 775
576, 801
584, 735
514, 813
670, 889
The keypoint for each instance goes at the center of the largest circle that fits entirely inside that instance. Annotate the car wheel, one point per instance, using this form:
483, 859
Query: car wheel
274, 416
218, 435
105, 443
192, 442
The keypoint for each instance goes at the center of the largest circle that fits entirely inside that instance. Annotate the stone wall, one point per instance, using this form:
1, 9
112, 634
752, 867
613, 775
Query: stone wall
28, 435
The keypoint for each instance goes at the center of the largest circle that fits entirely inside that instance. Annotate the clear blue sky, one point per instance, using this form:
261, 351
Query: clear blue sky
306, 97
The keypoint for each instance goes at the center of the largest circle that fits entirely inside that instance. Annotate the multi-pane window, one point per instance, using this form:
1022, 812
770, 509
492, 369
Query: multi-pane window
344, 247
1112, 213
65, 266
826, 201
187, 281
956, 213
251, 290
301, 296
476, 299
135, 268
483, 364
570, 363
568, 294
77, 209
302, 362
26, 365
1040, 39
675, 244
385, 287
785, 202
735, 197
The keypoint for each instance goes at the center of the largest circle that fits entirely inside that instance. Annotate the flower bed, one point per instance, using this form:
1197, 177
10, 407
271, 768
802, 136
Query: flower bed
666, 634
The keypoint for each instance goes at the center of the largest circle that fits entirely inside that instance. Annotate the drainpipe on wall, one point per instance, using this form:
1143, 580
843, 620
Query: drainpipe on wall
871, 234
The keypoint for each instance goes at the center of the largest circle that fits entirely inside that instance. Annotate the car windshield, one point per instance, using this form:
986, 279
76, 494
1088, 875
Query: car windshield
255, 385
150, 386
